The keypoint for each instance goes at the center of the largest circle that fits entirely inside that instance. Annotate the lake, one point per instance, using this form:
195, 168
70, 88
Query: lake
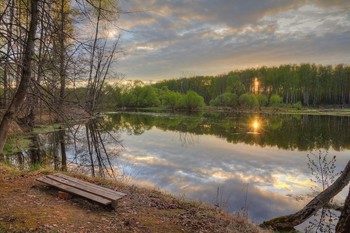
255, 163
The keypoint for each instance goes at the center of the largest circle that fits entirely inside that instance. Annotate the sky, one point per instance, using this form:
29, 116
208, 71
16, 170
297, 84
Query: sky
166, 39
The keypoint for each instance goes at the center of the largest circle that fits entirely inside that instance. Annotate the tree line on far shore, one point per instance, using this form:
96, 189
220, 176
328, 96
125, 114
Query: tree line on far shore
283, 86
309, 84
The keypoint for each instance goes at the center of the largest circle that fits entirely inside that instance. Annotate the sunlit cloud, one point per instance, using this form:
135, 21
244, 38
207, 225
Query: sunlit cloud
213, 37
144, 48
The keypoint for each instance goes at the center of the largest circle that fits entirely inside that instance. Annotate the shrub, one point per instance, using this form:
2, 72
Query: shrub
226, 100
297, 105
172, 100
192, 101
248, 100
262, 99
275, 100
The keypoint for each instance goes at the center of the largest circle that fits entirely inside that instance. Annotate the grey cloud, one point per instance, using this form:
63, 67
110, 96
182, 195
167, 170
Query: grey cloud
202, 37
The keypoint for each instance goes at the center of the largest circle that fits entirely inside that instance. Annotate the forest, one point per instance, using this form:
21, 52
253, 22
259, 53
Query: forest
308, 84
294, 86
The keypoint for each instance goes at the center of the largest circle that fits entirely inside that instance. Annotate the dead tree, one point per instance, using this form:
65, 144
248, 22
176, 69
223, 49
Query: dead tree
290, 221
343, 225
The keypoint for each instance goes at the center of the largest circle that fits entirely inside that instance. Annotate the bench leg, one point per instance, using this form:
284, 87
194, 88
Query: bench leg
64, 195
114, 204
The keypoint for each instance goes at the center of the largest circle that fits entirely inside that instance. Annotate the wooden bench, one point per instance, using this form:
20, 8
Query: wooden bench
84, 189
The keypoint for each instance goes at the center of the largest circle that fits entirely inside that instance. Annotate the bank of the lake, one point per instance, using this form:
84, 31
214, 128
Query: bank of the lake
321, 110
27, 206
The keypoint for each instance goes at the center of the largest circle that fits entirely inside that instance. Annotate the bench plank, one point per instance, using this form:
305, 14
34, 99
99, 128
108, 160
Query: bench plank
75, 191
87, 188
90, 184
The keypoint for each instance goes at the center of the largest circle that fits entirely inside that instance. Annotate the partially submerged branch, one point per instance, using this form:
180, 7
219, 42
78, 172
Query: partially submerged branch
290, 221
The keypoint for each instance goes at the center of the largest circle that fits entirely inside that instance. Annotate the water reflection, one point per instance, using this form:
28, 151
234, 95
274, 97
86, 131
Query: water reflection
255, 125
92, 151
192, 156
301, 132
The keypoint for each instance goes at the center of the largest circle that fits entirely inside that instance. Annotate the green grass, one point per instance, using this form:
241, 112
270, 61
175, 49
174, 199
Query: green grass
35, 167
16, 143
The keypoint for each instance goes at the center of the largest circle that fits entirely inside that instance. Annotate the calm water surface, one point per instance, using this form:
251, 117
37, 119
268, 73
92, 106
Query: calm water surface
236, 161
257, 162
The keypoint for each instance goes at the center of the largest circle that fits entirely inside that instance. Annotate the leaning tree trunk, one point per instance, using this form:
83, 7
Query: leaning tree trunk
290, 221
26, 72
343, 225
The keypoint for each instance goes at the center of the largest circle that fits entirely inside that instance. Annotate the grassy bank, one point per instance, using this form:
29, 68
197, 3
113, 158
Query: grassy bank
325, 110
28, 206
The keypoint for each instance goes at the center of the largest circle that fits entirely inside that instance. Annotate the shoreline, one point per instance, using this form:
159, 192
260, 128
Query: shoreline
29, 206
264, 110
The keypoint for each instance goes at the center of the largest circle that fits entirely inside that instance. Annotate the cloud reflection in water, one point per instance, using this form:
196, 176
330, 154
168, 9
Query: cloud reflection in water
155, 158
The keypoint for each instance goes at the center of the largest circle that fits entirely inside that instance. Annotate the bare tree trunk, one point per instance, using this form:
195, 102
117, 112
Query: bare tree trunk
63, 149
22, 90
343, 225
62, 50
9, 45
289, 221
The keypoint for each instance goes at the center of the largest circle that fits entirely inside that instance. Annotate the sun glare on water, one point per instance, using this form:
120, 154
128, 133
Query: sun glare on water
255, 125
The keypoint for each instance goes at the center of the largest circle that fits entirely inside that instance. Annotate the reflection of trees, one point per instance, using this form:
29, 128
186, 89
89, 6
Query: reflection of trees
90, 147
283, 131
97, 155
187, 139
49, 149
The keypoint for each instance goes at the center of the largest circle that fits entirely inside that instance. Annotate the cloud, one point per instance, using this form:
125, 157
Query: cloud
164, 39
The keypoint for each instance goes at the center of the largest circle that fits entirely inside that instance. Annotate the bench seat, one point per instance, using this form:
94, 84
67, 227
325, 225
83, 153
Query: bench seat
84, 189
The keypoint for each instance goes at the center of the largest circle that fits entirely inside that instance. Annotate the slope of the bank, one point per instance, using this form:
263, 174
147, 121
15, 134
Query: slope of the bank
27, 206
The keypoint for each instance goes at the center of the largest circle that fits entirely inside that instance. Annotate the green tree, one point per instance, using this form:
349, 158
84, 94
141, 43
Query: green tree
226, 100
234, 85
109, 97
171, 99
275, 100
262, 99
248, 100
192, 101
147, 97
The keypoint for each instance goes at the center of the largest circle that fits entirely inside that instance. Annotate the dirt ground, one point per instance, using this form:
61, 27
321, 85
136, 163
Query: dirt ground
29, 206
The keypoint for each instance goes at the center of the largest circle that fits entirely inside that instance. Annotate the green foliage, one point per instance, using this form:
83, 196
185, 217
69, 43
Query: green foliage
171, 99
200, 84
35, 167
308, 83
297, 105
275, 100
234, 85
192, 101
225, 100
109, 97
281, 130
16, 143
248, 100
262, 99
139, 96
